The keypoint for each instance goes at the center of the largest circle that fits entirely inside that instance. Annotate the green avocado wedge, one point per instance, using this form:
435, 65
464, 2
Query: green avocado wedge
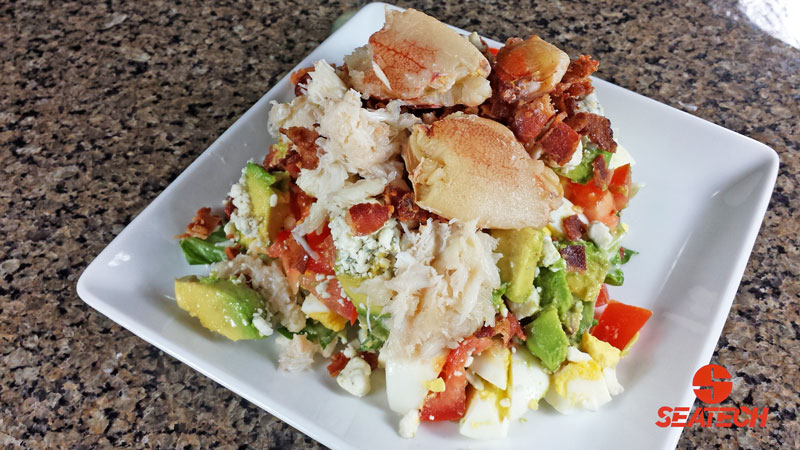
521, 250
222, 306
268, 203
545, 338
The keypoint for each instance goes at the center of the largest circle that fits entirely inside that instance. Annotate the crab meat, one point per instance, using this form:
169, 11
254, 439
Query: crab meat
416, 58
525, 70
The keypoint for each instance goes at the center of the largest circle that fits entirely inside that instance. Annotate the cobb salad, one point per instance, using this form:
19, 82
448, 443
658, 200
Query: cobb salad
439, 213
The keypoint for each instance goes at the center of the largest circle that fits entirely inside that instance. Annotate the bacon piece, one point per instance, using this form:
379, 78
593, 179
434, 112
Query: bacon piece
565, 95
575, 256
299, 78
371, 358
203, 224
530, 118
229, 208
573, 227
338, 361
367, 218
231, 252
304, 141
598, 128
580, 69
506, 327
559, 143
405, 209
602, 176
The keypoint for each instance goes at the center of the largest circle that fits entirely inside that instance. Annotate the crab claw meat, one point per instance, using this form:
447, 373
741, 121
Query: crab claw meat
416, 58
525, 70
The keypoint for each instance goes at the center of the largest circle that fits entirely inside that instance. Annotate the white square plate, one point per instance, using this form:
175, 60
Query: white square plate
694, 223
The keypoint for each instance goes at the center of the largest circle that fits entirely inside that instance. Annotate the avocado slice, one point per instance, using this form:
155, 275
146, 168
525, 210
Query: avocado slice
261, 186
546, 339
521, 250
555, 291
587, 285
222, 306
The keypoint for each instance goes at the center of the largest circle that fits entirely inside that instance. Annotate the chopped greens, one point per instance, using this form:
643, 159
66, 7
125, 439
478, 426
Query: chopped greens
373, 331
205, 251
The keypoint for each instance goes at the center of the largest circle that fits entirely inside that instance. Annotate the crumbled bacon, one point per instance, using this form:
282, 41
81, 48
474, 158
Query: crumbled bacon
565, 95
231, 252
575, 256
338, 361
559, 143
229, 208
530, 118
573, 227
580, 69
367, 218
274, 157
507, 327
291, 163
598, 128
405, 209
602, 176
203, 224
304, 141
371, 359
299, 78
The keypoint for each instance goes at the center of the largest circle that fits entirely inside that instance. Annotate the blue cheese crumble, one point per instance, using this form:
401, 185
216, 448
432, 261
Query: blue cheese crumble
364, 256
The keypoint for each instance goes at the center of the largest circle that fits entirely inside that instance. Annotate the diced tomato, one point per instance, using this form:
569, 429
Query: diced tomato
620, 186
493, 50
602, 297
451, 404
337, 301
322, 245
619, 323
597, 204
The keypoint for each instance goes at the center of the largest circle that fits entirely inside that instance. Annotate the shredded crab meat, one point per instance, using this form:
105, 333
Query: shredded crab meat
444, 275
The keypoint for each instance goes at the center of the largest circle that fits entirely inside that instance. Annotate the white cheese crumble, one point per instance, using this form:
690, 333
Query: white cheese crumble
601, 235
360, 255
241, 219
264, 328
354, 378
590, 104
409, 424
551, 255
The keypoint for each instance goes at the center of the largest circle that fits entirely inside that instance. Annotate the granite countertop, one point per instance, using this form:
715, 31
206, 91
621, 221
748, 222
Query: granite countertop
103, 104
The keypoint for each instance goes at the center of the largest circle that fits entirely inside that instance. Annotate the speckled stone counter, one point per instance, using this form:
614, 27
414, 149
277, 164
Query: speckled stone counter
103, 104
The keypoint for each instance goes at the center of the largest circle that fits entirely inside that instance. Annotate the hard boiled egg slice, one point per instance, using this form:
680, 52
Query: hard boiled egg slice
492, 365
578, 385
528, 382
486, 417
407, 381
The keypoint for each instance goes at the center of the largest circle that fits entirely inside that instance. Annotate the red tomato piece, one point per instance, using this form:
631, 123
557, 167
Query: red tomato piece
322, 245
597, 204
451, 404
337, 301
620, 186
619, 323
602, 297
